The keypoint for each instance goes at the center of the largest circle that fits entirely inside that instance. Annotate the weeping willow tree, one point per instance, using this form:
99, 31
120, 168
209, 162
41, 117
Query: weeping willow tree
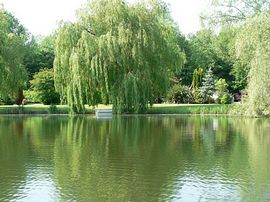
12, 48
253, 46
116, 53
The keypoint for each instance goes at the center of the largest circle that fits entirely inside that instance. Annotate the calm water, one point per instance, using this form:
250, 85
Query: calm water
175, 158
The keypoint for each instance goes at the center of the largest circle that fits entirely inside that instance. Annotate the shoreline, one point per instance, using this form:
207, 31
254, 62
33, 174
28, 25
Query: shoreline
157, 109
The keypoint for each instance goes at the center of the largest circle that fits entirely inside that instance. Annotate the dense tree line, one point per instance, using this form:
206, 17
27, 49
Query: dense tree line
21, 56
133, 55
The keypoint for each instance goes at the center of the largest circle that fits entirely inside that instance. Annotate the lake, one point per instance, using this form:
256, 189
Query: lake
134, 158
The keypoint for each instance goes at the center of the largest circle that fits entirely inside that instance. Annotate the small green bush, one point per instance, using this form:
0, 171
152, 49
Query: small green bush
43, 87
222, 92
179, 94
30, 96
225, 99
197, 97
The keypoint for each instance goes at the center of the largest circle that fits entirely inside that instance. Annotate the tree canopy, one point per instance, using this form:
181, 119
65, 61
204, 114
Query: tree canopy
13, 38
228, 12
42, 87
253, 45
39, 55
117, 52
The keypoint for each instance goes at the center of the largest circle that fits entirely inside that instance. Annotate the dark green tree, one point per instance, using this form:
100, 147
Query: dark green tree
39, 55
224, 47
184, 74
202, 50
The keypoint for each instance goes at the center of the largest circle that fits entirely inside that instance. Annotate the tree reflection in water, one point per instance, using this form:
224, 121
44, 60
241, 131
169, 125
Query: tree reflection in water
137, 158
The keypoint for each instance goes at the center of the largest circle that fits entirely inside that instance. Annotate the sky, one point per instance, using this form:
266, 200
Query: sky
40, 17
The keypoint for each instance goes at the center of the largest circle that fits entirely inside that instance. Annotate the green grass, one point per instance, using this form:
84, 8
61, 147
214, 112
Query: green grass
156, 109
189, 109
43, 109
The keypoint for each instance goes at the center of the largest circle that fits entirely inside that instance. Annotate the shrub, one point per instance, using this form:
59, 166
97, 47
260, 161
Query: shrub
6, 101
197, 96
222, 92
225, 99
43, 87
179, 94
30, 96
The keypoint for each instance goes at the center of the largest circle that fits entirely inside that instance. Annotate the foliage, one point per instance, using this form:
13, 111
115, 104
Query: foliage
52, 109
179, 94
224, 47
240, 73
39, 55
43, 87
120, 52
202, 51
225, 99
224, 12
12, 48
191, 109
230, 15
253, 42
221, 88
184, 75
207, 49
198, 75
30, 96
197, 96
208, 86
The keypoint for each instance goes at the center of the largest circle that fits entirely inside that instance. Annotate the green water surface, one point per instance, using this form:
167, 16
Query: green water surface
143, 158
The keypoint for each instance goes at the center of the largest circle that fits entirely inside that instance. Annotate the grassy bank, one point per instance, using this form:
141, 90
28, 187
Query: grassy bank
189, 109
43, 109
156, 109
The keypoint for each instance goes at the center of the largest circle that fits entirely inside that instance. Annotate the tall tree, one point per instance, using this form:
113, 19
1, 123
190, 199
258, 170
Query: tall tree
13, 38
39, 55
224, 47
120, 52
184, 75
208, 49
202, 50
253, 47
